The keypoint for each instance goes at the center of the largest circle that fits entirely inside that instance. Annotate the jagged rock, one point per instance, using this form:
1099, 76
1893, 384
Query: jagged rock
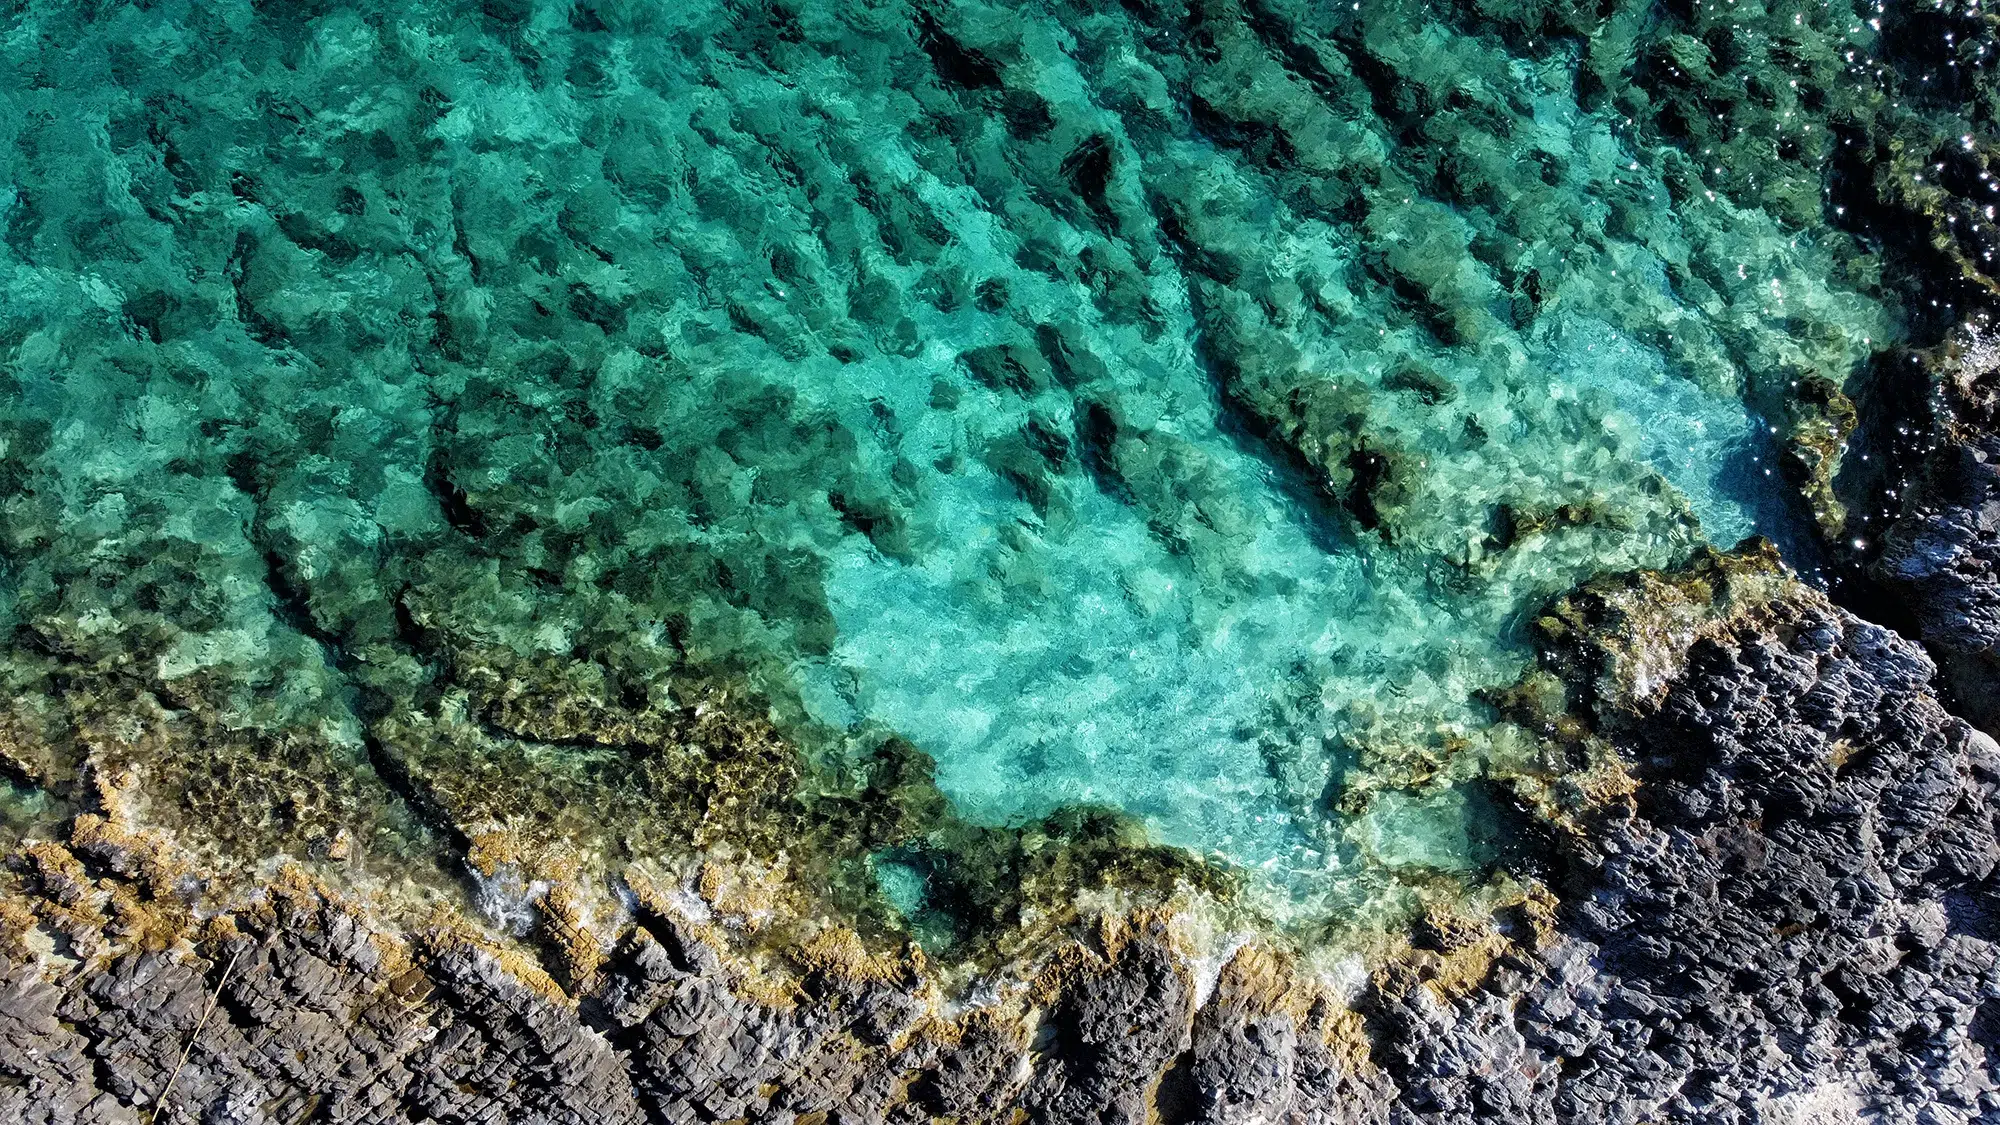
1111, 1034
1942, 556
1795, 910
1805, 809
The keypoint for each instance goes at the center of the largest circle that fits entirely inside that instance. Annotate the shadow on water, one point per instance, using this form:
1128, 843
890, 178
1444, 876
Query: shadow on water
1753, 477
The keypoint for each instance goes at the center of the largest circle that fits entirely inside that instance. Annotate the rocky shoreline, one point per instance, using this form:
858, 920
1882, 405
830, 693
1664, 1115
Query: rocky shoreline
1793, 916
1754, 880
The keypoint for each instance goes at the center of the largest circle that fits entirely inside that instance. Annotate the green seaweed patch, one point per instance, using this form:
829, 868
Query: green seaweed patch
1619, 640
224, 787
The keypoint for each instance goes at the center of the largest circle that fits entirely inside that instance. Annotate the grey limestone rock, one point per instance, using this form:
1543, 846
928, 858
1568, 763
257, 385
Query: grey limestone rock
1796, 914
1942, 556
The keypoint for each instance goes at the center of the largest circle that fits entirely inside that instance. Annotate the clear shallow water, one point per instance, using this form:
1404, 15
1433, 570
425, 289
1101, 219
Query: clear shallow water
1148, 411
1225, 689
1086, 659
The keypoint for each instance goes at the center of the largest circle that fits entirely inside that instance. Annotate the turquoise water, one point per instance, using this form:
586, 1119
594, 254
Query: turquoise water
1126, 407
1217, 667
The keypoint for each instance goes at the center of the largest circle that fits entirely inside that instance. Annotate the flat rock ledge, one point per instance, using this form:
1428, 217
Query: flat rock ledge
1792, 916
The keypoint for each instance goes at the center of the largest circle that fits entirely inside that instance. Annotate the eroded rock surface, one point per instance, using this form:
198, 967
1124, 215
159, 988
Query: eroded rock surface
1795, 913
1796, 898
1942, 556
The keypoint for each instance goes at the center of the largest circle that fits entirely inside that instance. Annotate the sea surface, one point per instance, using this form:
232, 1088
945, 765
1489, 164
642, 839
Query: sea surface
1177, 409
